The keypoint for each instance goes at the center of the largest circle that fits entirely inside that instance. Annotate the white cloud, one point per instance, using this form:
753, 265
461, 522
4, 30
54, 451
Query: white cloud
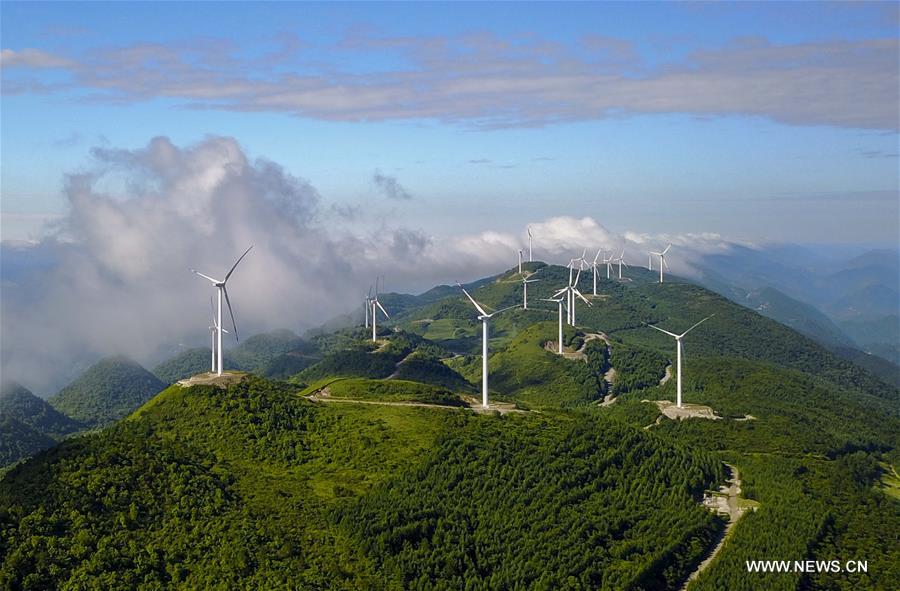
33, 58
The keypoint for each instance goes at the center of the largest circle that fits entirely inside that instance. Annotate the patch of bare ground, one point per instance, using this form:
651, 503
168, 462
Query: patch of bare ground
686, 411
668, 375
501, 407
210, 379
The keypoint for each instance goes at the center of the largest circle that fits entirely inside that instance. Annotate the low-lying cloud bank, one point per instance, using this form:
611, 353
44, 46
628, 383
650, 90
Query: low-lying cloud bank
114, 277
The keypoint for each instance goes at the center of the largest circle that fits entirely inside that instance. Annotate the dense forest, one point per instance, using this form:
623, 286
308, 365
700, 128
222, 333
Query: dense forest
255, 486
107, 391
295, 484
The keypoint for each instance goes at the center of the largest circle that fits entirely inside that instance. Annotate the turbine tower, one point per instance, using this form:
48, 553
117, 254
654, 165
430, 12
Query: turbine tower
213, 329
376, 305
484, 317
220, 286
525, 282
520, 261
680, 349
662, 261
368, 304
559, 303
594, 268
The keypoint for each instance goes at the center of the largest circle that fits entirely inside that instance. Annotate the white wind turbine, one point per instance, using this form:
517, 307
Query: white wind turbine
662, 261
525, 282
571, 292
594, 268
484, 317
220, 286
520, 260
530, 237
376, 305
621, 261
680, 349
608, 261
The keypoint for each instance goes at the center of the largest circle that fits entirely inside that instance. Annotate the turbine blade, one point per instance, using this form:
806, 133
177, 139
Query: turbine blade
380, 307
578, 293
663, 259
671, 334
503, 310
230, 311
667, 249
205, 276
599, 250
235, 265
696, 325
474, 303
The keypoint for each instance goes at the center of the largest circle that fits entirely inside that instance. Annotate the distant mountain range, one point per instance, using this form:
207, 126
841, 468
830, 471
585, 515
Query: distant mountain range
844, 303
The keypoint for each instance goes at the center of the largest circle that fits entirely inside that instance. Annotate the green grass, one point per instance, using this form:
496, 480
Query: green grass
392, 391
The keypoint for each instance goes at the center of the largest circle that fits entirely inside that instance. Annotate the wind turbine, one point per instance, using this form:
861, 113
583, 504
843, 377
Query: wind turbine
530, 237
525, 282
621, 261
571, 292
594, 268
520, 260
662, 261
220, 286
680, 349
376, 305
559, 303
484, 317
368, 304
608, 261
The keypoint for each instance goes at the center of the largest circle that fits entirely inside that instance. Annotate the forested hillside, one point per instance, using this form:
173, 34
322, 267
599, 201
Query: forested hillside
107, 391
257, 487
366, 467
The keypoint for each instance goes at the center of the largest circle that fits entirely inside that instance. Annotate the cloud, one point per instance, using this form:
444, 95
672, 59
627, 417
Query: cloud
390, 187
486, 81
33, 58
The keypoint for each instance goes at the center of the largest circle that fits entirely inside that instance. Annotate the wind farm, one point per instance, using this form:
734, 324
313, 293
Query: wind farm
520, 403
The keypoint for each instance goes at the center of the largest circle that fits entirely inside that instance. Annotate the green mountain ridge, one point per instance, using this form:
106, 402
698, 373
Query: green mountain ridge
107, 391
18, 402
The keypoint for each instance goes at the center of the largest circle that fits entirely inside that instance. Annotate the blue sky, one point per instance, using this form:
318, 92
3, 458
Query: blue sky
772, 121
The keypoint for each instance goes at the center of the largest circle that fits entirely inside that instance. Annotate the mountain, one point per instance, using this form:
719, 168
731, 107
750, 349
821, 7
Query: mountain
19, 440
352, 496
256, 352
880, 336
107, 391
367, 470
188, 363
18, 402
802, 317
